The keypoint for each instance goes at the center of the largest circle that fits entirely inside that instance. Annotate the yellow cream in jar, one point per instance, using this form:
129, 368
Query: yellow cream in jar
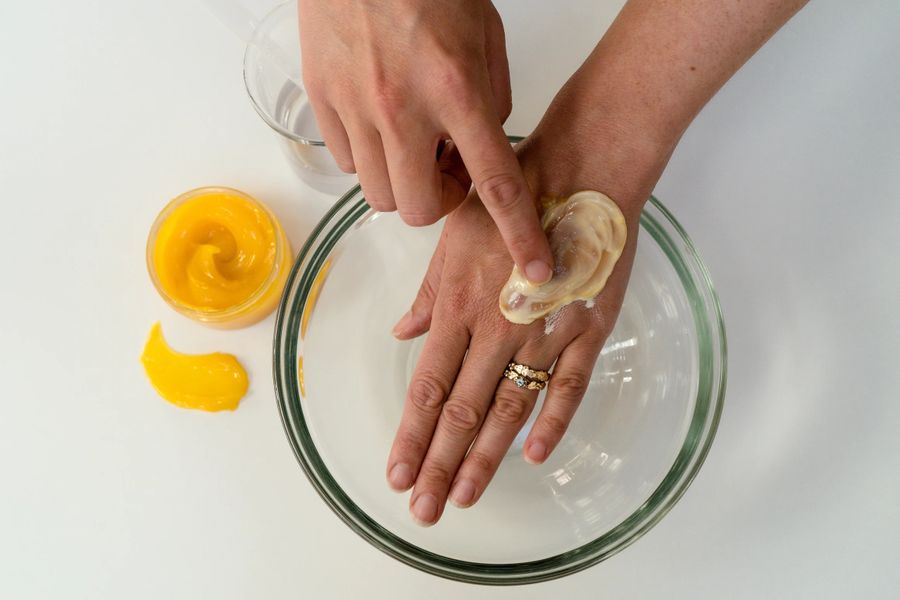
218, 256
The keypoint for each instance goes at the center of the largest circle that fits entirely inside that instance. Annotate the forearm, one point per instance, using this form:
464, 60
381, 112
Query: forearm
660, 62
668, 58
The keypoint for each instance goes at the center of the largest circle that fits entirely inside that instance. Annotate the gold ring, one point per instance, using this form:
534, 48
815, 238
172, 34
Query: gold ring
525, 377
527, 384
528, 372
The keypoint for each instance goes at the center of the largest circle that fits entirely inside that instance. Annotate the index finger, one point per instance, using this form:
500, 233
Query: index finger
500, 184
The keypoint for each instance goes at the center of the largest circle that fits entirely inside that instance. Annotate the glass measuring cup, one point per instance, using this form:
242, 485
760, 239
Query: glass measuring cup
272, 76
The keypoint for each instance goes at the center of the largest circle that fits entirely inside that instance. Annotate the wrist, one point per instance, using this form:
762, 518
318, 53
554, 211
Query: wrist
587, 142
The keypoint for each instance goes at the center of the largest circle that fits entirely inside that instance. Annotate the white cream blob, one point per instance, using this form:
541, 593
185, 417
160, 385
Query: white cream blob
587, 234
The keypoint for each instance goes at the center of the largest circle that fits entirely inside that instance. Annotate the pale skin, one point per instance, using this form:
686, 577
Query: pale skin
611, 128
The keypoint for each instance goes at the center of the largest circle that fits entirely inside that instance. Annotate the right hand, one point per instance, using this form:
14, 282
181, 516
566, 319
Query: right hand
389, 82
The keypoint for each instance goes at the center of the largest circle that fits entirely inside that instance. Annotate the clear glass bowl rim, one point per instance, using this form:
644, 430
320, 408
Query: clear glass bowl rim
656, 221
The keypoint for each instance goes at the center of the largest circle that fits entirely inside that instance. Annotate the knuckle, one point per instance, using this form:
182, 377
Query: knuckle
388, 102
340, 94
427, 394
315, 84
456, 298
501, 191
434, 473
481, 462
412, 444
500, 328
454, 79
554, 426
571, 386
461, 417
510, 408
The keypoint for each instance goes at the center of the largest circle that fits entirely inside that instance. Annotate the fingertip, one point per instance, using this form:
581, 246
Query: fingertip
538, 272
409, 327
402, 325
535, 453
400, 477
424, 510
381, 204
420, 219
462, 495
409, 334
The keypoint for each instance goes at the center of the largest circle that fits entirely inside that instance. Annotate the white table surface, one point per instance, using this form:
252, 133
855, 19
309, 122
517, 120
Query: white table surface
788, 182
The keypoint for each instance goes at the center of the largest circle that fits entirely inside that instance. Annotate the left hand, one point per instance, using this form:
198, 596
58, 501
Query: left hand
460, 418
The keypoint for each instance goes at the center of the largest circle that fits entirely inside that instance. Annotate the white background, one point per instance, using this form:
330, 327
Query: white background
788, 182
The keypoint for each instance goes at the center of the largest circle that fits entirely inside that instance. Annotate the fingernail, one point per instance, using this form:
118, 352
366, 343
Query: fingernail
424, 510
401, 324
400, 477
536, 453
463, 493
537, 271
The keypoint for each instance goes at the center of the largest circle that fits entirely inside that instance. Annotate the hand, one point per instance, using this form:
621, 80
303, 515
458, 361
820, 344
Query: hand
390, 82
611, 128
460, 418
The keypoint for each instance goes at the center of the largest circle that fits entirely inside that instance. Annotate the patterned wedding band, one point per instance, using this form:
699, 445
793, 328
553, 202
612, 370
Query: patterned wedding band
528, 372
525, 377
522, 382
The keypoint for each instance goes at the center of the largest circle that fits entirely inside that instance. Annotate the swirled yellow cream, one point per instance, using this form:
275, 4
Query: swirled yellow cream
587, 234
210, 382
219, 256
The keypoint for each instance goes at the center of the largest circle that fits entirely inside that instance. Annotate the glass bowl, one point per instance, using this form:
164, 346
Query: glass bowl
636, 443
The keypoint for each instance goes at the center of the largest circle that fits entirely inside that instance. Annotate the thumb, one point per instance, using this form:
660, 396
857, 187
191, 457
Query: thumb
418, 319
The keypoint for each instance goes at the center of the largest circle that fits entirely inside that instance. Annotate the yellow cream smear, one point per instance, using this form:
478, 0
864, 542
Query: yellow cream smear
220, 257
210, 382
587, 234
313, 297
311, 300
